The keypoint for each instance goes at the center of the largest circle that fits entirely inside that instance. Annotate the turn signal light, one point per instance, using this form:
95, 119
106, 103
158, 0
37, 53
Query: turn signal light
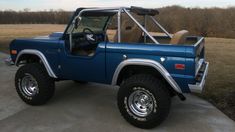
180, 66
13, 52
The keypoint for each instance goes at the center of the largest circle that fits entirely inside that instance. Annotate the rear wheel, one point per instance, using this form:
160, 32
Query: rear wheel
33, 84
144, 101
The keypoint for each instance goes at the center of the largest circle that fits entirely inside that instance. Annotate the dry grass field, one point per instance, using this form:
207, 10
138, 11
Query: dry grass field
9, 32
220, 87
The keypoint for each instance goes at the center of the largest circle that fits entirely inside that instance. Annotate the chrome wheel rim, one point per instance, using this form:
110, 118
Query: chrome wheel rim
29, 85
141, 102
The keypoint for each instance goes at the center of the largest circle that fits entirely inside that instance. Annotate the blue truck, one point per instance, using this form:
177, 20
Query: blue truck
149, 68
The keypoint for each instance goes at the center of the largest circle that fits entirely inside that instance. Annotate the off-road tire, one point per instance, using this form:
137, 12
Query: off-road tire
156, 88
46, 85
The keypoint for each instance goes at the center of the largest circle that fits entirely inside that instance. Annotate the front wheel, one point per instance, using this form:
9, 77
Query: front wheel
33, 84
144, 101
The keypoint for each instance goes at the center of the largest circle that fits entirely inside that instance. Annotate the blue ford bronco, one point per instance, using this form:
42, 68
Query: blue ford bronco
114, 46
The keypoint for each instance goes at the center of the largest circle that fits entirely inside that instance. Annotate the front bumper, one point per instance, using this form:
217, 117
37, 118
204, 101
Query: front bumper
199, 86
8, 61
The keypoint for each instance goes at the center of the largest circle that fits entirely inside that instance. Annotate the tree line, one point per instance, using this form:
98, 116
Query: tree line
41, 17
208, 22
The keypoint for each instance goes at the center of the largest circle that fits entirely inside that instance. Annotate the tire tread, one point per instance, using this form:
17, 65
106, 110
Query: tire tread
157, 87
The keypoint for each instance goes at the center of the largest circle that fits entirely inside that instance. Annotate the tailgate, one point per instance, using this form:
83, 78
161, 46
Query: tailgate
201, 66
199, 54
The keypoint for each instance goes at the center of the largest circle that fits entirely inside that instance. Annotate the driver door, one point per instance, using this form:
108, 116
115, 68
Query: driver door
86, 60
85, 68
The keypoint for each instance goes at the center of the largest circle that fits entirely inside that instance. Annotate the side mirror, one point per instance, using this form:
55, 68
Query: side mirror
76, 22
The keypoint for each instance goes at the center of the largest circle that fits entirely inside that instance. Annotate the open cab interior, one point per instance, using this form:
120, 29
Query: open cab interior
134, 25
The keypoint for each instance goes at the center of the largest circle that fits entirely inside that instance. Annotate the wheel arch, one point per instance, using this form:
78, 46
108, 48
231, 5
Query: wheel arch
151, 66
37, 56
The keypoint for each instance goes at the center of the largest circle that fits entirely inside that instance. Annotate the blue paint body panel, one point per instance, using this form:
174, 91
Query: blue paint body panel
173, 54
46, 45
83, 68
100, 68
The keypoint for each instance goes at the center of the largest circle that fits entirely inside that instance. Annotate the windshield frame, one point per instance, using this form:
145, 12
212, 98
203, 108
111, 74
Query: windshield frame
82, 24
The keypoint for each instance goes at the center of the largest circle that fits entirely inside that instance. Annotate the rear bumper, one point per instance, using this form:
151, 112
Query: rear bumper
199, 86
8, 61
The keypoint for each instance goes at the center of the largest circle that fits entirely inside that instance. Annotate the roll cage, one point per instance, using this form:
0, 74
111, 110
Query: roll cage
145, 12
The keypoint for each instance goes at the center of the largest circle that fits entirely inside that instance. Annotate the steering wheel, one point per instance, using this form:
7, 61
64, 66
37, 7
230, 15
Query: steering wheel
90, 36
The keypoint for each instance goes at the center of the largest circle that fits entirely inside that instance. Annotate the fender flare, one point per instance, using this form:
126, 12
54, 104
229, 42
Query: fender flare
41, 56
146, 62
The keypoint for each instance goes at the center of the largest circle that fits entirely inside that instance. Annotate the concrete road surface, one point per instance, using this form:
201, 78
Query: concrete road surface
92, 107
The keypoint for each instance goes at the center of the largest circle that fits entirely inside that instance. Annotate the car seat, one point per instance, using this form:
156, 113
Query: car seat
130, 33
179, 37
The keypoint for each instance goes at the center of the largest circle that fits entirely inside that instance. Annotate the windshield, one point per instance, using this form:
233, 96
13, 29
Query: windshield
96, 24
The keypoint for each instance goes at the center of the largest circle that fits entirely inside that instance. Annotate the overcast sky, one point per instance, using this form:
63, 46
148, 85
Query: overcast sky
73, 4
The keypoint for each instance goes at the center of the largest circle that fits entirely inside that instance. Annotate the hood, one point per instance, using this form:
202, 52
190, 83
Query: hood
53, 36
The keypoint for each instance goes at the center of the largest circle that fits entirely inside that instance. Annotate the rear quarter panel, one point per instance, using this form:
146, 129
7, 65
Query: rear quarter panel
173, 54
